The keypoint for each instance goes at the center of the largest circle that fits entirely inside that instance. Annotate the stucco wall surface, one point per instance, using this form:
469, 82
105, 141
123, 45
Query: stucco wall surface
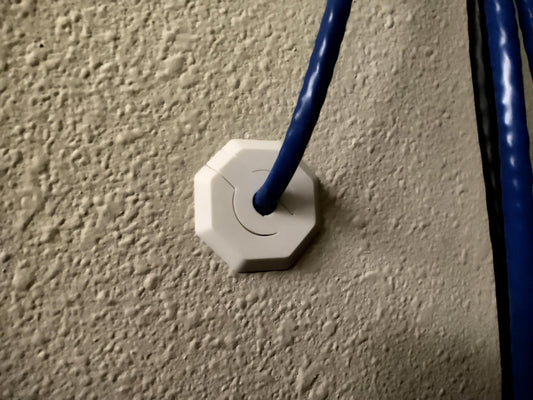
108, 109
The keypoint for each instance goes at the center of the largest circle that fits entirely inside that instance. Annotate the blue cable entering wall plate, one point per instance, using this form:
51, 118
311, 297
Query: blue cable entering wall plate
255, 201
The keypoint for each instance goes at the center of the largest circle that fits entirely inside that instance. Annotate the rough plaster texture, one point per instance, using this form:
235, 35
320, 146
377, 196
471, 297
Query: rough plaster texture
106, 113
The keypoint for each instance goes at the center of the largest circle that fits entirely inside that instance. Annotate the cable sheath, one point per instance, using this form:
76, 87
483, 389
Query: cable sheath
516, 178
487, 126
310, 101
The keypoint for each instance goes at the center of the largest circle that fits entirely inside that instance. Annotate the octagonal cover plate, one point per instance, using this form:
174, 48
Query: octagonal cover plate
226, 220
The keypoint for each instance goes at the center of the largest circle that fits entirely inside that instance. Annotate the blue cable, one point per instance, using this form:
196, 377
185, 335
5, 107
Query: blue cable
487, 125
312, 96
525, 16
517, 182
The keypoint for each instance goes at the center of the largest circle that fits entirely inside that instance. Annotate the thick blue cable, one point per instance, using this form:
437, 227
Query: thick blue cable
487, 125
517, 183
525, 16
312, 96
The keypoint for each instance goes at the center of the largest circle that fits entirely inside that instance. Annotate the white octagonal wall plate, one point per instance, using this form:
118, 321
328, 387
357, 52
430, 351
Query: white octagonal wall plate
226, 220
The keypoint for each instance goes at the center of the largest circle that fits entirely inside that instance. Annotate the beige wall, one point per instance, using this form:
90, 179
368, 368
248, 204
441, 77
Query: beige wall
106, 113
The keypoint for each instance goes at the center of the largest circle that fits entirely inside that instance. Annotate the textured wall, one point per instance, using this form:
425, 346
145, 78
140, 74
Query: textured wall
106, 113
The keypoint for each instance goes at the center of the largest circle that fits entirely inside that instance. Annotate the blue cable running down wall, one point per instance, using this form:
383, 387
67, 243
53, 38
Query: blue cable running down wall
487, 125
312, 96
517, 182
